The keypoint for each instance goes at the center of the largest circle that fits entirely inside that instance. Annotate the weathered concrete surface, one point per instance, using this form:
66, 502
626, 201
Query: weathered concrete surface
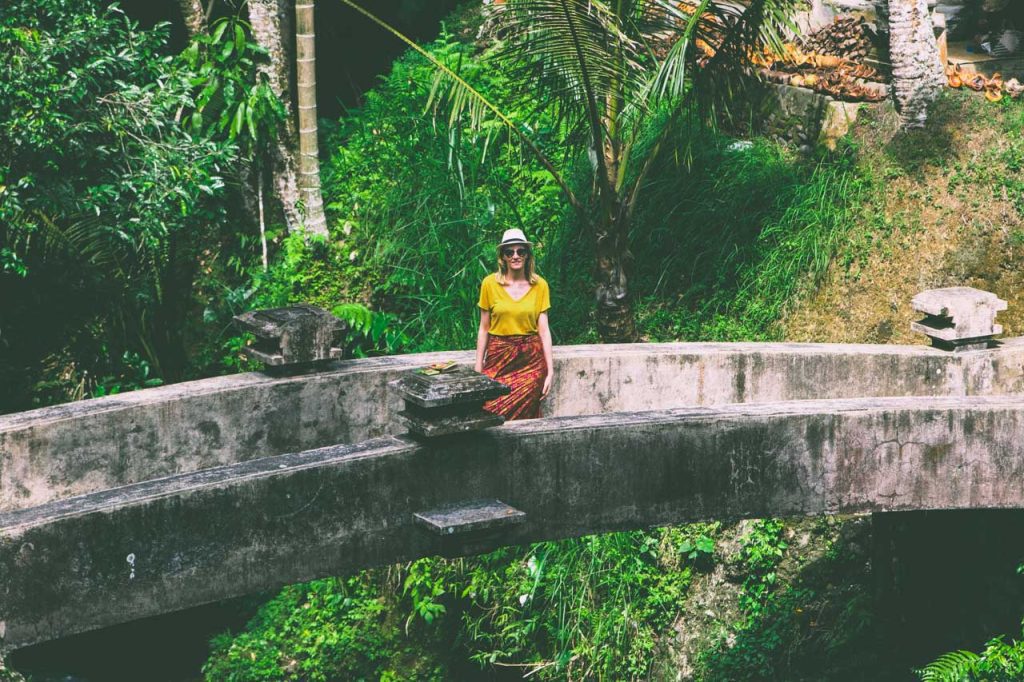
184, 540
448, 403
84, 447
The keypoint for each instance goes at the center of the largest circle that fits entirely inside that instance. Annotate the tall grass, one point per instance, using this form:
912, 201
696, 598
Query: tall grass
723, 245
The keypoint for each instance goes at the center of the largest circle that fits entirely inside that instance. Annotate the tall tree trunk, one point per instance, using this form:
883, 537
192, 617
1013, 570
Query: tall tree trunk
918, 75
270, 24
194, 17
309, 159
615, 323
614, 315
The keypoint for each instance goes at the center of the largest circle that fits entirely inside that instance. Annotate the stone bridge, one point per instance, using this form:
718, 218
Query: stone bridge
135, 505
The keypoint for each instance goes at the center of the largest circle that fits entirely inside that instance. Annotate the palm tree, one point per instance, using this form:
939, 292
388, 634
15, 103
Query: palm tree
271, 22
309, 156
918, 74
613, 71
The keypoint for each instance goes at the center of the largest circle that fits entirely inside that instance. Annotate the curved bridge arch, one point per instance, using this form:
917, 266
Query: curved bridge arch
82, 554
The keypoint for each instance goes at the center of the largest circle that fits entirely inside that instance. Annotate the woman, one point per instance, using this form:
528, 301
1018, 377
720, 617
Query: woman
513, 343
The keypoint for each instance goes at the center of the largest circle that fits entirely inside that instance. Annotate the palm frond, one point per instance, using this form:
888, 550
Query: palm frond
669, 79
83, 239
725, 33
727, 71
955, 666
574, 51
463, 97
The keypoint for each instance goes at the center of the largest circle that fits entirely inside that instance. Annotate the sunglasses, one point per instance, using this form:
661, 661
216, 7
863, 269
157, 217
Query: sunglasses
508, 253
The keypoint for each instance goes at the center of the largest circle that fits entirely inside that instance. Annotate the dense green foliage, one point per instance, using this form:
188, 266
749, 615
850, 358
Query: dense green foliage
585, 608
999, 662
105, 200
410, 240
720, 245
317, 630
119, 186
816, 623
420, 235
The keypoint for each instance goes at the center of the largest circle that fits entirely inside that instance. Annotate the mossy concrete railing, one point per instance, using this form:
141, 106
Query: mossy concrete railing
136, 505
89, 446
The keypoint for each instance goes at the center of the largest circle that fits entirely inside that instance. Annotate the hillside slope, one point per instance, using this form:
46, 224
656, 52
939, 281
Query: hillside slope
946, 210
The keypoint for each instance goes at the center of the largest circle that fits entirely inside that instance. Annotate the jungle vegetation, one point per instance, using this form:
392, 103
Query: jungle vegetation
141, 208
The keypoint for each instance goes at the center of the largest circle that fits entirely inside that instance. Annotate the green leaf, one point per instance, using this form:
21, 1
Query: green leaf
218, 32
249, 121
238, 122
954, 666
207, 93
226, 51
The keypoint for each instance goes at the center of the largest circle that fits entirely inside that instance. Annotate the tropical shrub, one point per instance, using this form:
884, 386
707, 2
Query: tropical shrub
104, 197
588, 608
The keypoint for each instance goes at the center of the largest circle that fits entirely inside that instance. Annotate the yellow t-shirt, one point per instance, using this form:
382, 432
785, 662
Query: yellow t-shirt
511, 317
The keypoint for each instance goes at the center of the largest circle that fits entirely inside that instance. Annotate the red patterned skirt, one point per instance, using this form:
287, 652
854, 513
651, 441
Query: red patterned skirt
517, 362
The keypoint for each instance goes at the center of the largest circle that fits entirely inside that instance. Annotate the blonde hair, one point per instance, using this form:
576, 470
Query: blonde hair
502, 274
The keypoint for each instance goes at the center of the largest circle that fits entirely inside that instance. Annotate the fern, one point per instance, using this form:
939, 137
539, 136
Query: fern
955, 666
357, 316
370, 332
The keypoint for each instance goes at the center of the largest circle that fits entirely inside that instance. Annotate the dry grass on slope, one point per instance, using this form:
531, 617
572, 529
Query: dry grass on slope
946, 210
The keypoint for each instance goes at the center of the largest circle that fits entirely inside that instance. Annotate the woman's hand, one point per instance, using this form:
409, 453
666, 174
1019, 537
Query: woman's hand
481, 340
545, 342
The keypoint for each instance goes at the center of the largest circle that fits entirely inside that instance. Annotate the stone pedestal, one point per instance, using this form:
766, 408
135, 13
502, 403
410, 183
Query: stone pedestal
448, 402
958, 318
294, 335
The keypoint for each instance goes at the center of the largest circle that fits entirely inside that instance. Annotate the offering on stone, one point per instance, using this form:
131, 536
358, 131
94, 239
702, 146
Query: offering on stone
437, 368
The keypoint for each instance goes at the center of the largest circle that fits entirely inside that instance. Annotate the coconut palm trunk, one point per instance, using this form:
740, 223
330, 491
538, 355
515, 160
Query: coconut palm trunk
309, 155
614, 312
193, 15
918, 75
271, 21
614, 308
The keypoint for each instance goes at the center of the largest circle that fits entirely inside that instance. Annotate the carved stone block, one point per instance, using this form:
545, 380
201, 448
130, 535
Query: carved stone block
293, 335
958, 318
448, 402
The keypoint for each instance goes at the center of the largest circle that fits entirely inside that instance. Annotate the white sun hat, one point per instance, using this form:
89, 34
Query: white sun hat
513, 235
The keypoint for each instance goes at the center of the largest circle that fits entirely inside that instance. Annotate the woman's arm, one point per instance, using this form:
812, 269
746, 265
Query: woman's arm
481, 339
545, 341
